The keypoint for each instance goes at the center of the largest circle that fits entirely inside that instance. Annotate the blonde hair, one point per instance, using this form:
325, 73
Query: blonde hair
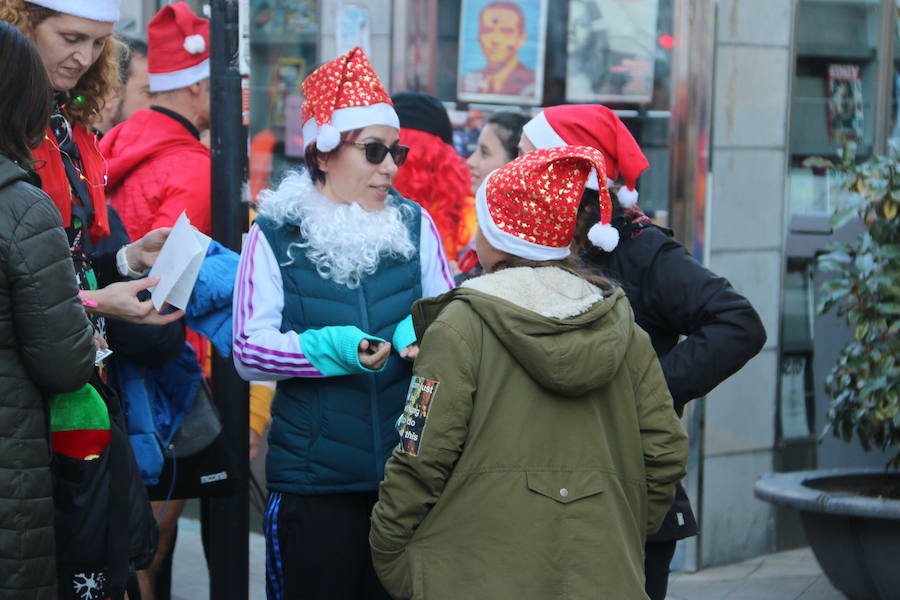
102, 80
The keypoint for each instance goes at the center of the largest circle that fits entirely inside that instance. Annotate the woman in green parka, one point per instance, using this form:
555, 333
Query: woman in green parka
539, 445
46, 340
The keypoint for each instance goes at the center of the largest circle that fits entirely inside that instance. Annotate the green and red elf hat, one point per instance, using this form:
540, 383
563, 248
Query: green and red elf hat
79, 424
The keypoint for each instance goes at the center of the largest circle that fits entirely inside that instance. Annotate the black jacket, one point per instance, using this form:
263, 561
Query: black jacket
673, 295
46, 345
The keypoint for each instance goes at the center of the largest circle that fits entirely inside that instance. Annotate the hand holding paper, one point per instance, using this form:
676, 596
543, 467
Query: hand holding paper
120, 300
143, 253
178, 264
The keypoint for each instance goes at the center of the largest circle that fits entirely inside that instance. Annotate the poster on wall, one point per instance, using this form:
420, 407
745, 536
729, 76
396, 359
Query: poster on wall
353, 29
611, 50
845, 110
501, 51
414, 60
287, 73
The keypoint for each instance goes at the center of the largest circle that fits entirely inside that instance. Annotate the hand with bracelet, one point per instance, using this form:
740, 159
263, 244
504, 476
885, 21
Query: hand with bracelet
120, 300
135, 259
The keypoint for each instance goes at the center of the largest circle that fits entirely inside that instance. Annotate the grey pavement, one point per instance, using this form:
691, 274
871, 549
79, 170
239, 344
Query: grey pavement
790, 575
189, 575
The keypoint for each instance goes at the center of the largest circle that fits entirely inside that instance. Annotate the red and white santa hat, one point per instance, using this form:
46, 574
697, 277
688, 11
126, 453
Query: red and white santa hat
596, 126
343, 95
177, 48
105, 11
529, 207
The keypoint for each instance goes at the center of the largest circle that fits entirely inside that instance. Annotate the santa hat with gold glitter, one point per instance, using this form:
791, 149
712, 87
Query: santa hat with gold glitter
343, 95
528, 207
597, 126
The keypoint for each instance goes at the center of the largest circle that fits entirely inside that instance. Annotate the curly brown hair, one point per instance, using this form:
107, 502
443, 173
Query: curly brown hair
99, 82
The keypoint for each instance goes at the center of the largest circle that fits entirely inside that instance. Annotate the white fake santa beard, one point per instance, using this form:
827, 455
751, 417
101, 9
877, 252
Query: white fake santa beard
344, 242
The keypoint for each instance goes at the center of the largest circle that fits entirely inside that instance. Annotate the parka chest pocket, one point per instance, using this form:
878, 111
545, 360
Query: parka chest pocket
565, 486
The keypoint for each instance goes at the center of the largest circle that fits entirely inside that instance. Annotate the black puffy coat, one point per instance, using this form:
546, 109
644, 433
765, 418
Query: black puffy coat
46, 345
673, 295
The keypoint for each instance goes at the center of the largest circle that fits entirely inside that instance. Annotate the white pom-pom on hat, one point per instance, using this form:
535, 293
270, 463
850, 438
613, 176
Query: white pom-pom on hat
328, 138
605, 237
195, 44
627, 198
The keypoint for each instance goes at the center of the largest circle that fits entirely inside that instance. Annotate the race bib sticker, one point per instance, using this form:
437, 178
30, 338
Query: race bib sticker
411, 424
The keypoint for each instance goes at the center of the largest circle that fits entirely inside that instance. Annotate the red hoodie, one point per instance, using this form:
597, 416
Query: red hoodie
157, 169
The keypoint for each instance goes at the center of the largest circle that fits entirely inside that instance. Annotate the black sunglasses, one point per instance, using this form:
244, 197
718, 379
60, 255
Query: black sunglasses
376, 151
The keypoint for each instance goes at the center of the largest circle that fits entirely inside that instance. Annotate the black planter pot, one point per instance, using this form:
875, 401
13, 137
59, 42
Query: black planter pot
855, 538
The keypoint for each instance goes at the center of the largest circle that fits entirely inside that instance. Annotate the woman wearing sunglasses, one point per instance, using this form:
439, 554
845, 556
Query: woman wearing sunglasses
327, 277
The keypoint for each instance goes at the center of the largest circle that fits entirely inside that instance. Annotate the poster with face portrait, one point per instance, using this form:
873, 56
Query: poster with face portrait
611, 50
501, 51
845, 103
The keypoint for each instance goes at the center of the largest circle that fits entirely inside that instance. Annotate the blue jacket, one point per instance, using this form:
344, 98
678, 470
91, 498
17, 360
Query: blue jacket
155, 402
334, 434
209, 311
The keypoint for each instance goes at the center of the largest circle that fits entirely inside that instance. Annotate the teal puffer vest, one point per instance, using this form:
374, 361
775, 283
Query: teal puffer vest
334, 434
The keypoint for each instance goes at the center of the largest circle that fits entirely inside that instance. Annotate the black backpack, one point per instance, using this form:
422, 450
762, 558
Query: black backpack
103, 517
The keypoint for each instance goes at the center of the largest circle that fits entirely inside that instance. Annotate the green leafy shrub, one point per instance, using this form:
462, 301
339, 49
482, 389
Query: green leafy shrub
864, 385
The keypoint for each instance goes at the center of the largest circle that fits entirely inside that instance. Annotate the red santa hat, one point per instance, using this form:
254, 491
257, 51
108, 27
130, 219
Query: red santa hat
105, 11
177, 48
596, 126
529, 207
343, 95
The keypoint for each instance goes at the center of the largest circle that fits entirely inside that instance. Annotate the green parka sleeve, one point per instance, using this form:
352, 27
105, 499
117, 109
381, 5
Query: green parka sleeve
663, 439
414, 483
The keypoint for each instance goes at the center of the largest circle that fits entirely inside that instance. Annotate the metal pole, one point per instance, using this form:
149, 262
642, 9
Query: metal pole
228, 518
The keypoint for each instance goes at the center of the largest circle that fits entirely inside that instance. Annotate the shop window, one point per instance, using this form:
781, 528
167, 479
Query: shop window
839, 96
834, 94
283, 40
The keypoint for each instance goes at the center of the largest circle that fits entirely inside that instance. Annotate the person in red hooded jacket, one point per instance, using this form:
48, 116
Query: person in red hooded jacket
157, 166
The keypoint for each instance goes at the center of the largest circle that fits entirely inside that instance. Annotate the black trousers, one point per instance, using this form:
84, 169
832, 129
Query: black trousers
317, 547
657, 558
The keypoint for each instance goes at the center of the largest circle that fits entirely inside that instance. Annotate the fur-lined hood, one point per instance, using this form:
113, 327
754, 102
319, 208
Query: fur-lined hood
560, 328
548, 291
